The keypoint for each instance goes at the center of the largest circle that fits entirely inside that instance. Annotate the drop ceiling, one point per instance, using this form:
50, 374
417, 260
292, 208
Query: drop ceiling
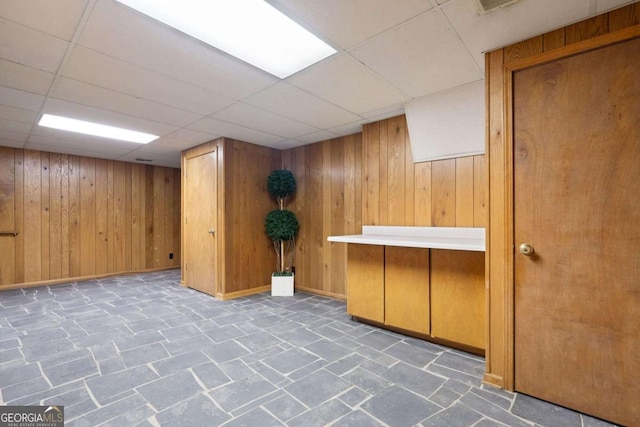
100, 61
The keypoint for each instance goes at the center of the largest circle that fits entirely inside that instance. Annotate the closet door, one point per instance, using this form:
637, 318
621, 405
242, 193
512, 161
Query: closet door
577, 229
200, 220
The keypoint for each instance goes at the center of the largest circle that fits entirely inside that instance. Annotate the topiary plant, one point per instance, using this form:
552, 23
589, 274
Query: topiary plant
281, 225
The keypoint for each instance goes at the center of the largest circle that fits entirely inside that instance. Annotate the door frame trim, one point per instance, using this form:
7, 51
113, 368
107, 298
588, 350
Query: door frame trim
500, 264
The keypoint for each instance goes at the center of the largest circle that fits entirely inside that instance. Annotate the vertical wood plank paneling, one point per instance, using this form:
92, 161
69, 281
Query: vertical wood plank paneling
326, 216
586, 29
168, 212
553, 40
464, 192
524, 48
383, 164
45, 217
87, 216
119, 216
624, 17
149, 210
423, 194
128, 217
32, 216
443, 195
177, 252
137, 216
19, 215
314, 186
158, 216
409, 176
479, 191
65, 217
7, 215
358, 191
55, 215
75, 216
102, 210
371, 173
336, 264
395, 172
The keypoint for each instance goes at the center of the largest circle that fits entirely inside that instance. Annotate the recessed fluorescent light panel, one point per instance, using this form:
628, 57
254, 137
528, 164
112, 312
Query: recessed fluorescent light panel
251, 30
89, 128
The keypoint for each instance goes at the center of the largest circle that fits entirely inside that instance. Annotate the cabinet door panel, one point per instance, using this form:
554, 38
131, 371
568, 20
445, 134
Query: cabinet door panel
457, 296
407, 288
365, 281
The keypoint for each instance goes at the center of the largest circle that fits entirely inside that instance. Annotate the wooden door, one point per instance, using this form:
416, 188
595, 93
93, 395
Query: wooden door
577, 203
200, 220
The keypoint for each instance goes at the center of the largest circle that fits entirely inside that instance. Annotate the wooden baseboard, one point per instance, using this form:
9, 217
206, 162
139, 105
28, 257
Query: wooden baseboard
321, 293
79, 279
493, 380
243, 293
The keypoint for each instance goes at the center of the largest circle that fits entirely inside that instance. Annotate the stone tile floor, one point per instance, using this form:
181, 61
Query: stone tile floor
141, 350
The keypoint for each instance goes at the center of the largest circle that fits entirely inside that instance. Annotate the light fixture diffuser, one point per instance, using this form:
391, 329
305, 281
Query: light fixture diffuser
251, 30
95, 129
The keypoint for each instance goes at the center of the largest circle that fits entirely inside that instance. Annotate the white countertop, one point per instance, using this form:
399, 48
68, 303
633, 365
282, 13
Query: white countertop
455, 238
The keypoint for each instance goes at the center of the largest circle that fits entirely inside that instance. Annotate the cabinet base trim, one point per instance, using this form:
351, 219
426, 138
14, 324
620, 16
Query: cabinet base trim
435, 340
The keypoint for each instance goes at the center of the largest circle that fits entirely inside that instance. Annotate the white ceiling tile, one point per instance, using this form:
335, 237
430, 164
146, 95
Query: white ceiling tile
25, 78
167, 145
385, 113
55, 17
506, 25
86, 94
348, 129
348, 23
10, 142
604, 5
422, 56
96, 115
323, 135
13, 126
344, 81
20, 99
104, 71
16, 137
262, 120
192, 136
122, 33
30, 47
297, 104
17, 114
232, 130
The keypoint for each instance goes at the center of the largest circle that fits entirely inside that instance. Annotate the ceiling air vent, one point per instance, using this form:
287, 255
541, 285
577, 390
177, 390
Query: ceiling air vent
485, 6
143, 160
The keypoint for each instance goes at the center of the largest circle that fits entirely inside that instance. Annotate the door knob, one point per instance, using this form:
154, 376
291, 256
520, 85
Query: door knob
212, 231
526, 249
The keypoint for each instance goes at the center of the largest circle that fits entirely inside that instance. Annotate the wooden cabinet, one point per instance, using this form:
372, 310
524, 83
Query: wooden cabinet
434, 294
457, 297
406, 288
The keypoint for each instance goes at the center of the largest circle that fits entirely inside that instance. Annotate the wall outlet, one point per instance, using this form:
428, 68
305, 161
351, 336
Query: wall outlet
170, 255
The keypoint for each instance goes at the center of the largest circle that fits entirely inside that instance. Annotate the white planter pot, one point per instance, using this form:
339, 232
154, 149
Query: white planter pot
282, 286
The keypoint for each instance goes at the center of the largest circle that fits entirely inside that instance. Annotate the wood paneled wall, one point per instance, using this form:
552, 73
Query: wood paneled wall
371, 179
84, 217
558, 43
248, 257
397, 191
328, 201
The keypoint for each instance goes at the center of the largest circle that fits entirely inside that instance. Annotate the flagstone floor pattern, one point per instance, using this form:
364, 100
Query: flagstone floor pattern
142, 350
